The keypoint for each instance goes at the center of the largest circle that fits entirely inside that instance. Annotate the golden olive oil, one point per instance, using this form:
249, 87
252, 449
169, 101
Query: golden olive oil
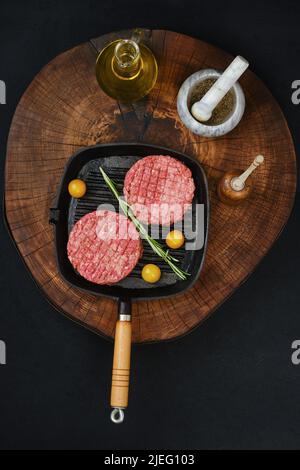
126, 70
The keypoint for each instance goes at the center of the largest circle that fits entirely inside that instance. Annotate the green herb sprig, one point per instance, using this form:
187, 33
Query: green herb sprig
155, 245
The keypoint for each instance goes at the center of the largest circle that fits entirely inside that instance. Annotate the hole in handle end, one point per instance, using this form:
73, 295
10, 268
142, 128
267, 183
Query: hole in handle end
117, 415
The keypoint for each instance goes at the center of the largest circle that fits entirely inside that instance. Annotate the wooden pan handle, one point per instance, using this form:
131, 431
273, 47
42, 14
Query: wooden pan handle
121, 368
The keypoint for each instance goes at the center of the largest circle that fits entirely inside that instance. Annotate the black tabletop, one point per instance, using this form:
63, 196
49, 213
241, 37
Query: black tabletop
230, 384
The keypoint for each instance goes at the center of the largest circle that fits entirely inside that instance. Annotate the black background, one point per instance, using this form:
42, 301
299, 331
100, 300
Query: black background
228, 385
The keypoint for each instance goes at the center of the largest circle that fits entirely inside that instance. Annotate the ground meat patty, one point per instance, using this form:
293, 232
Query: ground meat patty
104, 247
160, 189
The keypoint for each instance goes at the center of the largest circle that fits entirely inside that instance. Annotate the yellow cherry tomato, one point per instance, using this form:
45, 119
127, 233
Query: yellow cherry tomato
175, 239
77, 188
151, 273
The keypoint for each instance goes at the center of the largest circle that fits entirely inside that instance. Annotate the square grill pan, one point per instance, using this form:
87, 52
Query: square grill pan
116, 159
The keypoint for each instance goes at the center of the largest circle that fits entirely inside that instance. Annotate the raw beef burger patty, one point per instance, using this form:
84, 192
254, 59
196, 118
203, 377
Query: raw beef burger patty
160, 189
104, 247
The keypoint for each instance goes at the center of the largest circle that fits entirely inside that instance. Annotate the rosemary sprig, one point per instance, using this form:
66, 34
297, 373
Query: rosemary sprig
155, 245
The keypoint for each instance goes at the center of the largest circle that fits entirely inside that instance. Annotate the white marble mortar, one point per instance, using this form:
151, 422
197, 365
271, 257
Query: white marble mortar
197, 127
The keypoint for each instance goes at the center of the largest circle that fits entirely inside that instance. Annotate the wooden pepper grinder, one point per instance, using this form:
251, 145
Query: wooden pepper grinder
236, 186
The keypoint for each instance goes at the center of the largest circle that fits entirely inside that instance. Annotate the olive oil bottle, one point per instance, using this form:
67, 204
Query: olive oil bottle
126, 70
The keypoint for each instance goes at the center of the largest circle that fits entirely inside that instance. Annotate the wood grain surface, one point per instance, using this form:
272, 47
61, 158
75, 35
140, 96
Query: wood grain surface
63, 110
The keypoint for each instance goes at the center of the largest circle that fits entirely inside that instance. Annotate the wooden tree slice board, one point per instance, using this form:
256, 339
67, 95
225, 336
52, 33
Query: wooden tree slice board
63, 109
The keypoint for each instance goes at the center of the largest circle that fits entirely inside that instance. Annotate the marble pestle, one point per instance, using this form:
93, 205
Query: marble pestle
202, 110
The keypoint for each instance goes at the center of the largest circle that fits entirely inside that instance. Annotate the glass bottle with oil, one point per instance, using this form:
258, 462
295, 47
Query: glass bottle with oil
126, 70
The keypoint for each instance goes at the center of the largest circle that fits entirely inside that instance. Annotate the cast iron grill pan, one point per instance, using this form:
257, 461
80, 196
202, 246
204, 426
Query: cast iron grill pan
116, 159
